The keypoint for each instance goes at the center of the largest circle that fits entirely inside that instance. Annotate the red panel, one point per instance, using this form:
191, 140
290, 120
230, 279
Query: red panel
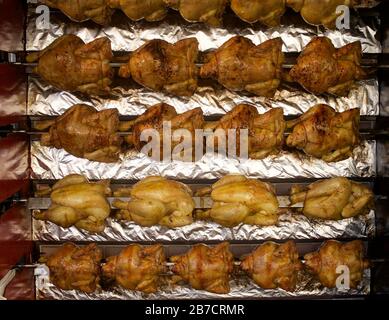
22, 286
12, 16
14, 157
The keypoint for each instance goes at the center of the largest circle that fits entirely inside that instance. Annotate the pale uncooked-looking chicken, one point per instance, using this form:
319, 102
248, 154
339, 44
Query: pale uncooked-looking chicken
157, 201
96, 10
321, 68
324, 133
71, 65
155, 117
265, 132
205, 268
75, 268
333, 254
206, 11
162, 66
150, 10
334, 199
237, 199
272, 265
76, 201
86, 133
136, 268
267, 12
240, 65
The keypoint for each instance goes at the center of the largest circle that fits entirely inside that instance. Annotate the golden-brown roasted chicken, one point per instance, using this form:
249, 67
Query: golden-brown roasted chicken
240, 65
324, 133
334, 254
150, 10
155, 117
272, 265
264, 135
86, 133
335, 198
267, 12
321, 68
156, 200
75, 268
162, 66
206, 268
237, 199
200, 10
70, 64
96, 10
76, 201
136, 268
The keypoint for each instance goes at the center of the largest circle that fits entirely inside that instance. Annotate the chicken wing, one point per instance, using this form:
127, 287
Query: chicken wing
150, 10
240, 65
324, 133
321, 68
75, 268
274, 265
161, 66
86, 133
96, 10
70, 64
334, 199
206, 11
333, 254
76, 201
237, 199
206, 268
156, 200
267, 12
136, 268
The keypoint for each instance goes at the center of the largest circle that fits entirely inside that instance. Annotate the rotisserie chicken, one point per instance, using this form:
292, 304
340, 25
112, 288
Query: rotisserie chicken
75, 268
206, 11
150, 10
136, 268
321, 68
273, 265
324, 133
156, 200
155, 117
240, 65
96, 10
265, 132
267, 12
237, 199
76, 201
86, 133
161, 66
334, 254
70, 64
334, 199
205, 268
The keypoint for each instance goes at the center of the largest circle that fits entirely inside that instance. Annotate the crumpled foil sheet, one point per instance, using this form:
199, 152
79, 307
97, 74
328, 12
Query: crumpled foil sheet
128, 36
241, 287
135, 100
290, 226
51, 163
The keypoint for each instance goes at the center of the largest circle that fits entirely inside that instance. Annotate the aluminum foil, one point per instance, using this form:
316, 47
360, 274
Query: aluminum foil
134, 100
240, 288
290, 226
51, 163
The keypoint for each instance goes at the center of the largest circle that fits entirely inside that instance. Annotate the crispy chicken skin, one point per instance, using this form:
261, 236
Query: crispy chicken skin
75, 268
273, 265
333, 254
333, 199
150, 10
324, 133
136, 268
240, 65
205, 268
71, 65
